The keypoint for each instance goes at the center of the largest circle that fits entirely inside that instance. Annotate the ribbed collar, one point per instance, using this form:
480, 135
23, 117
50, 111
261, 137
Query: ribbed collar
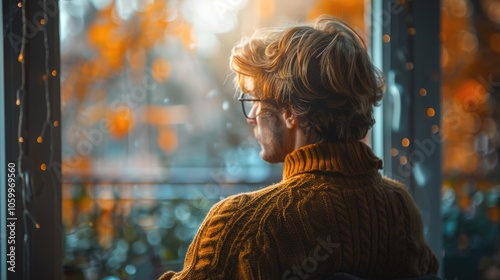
347, 158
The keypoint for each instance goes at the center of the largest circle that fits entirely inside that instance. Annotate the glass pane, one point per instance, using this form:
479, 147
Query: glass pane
471, 120
152, 133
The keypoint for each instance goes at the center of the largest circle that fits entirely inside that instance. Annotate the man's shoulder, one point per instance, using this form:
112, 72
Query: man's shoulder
393, 183
247, 199
241, 214
399, 190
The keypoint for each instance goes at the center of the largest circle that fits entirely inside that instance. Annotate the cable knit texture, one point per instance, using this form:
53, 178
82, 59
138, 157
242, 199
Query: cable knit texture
332, 212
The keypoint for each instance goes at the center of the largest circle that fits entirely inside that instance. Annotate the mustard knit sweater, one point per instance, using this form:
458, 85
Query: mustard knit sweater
332, 212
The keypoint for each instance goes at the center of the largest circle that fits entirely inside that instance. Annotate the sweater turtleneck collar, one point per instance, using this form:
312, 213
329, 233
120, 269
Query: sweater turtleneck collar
347, 158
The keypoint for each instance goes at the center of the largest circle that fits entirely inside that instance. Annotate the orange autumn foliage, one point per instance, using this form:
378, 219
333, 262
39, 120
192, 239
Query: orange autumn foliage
121, 121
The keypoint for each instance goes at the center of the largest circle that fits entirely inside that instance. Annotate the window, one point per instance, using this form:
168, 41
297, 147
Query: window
153, 134
471, 118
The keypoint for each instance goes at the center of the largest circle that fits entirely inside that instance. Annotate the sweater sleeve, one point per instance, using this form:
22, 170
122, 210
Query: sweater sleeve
209, 255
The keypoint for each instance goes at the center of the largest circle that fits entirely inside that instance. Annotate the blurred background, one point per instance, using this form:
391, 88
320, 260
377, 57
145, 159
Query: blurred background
152, 135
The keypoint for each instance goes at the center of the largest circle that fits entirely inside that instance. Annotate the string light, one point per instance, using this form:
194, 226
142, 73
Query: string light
405, 142
46, 87
47, 123
23, 174
403, 160
431, 112
20, 92
386, 38
423, 92
28, 214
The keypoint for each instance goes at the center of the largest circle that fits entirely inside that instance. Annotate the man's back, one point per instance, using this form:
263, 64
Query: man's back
308, 93
332, 212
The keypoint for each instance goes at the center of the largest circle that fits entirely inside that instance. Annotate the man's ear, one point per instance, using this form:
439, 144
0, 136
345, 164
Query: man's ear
289, 119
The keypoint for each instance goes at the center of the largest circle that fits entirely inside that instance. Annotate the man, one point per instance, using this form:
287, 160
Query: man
308, 91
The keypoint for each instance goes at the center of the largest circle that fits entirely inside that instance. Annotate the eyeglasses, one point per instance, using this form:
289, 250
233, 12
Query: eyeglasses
247, 104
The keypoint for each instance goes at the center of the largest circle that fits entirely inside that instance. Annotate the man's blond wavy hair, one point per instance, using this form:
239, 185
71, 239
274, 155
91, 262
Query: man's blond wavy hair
320, 72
